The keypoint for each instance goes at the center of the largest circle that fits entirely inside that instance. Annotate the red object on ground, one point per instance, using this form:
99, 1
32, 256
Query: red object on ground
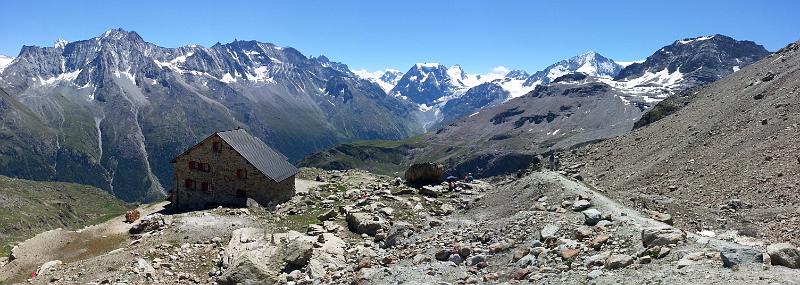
33, 275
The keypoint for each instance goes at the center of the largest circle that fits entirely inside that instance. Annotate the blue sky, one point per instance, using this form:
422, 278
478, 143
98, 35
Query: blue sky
478, 35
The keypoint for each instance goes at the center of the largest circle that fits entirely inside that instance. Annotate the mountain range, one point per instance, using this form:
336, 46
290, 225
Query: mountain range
573, 109
112, 111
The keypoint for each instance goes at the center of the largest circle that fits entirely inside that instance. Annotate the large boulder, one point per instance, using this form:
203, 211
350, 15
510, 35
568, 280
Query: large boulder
299, 251
733, 254
364, 223
253, 267
149, 223
662, 236
132, 216
425, 173
784, 254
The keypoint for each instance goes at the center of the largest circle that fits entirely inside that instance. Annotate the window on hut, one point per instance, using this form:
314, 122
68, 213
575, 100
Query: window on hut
241, 173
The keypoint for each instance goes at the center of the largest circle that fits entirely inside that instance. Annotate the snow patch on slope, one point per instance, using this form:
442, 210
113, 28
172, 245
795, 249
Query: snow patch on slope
5, 61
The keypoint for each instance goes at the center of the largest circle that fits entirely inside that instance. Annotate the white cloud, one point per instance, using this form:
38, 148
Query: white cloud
499, 71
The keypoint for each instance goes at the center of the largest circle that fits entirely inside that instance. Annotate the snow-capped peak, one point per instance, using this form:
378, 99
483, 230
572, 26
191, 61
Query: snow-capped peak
456, 72
591, 63
427, 65
386, 79
60, 43
697, 39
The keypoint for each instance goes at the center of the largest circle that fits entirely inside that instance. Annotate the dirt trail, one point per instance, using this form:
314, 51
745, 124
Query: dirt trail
303, 185
69, 246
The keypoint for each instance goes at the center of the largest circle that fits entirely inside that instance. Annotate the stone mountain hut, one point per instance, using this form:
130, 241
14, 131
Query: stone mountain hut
227, 168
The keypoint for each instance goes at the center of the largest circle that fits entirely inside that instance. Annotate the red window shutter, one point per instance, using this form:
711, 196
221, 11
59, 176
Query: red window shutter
204, 186
189, 183
190, 165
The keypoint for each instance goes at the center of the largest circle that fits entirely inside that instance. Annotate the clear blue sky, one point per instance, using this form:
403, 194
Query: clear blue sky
372, 35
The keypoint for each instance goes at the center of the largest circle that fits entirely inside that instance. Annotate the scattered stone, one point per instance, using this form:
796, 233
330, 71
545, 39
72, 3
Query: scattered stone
691, 259
429, 191
435, 222
581, 205
592, 216
549, 232
443, 254
455, 258
617, 261
597, 242
476, 259
769, 76
520, 252
520, 274
661, 217
363, 223
594, 274
662, 236
447, 209
327, 216
491, 277
583, 232
570, 253
499, 247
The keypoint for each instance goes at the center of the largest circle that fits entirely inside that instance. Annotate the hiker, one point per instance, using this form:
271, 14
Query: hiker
469, 178
451, 182
556, 163
397, 181
552, 161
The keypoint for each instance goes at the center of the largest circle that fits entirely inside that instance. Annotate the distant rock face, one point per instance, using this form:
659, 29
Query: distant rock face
694, 61
426, 82
112, 111
476, 98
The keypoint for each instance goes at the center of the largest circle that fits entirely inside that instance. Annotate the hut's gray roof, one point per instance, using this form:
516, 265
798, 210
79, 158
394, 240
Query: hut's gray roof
271, 163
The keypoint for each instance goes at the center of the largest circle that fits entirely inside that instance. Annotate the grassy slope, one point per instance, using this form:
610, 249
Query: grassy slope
378, 156
30, 207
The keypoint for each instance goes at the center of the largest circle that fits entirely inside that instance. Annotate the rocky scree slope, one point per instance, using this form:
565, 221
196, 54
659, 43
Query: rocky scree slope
727, 160
112, 111
357, 228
